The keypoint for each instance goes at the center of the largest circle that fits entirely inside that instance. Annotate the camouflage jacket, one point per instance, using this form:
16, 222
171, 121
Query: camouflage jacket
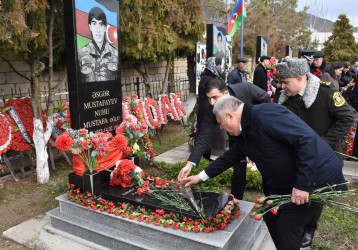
95, 66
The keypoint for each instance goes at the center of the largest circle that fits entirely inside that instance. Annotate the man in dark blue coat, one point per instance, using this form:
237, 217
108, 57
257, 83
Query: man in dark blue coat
215, 89
238, 74
290, 156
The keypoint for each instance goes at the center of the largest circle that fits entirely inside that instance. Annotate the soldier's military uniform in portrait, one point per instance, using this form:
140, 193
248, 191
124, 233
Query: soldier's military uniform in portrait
98, 65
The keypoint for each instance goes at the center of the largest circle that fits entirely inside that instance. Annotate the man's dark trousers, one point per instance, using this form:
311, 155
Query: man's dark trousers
287, 226
238, 179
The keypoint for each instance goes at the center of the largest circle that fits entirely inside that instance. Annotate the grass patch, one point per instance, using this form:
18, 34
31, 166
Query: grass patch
167, 143
340, 228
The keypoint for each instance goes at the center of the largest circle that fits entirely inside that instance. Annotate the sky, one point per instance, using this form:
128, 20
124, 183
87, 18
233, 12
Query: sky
331, 9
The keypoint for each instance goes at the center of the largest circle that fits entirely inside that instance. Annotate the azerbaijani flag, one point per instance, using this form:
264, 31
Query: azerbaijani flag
84, 36
235, 18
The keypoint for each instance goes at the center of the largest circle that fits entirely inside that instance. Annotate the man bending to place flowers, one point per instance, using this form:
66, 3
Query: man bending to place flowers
291, 157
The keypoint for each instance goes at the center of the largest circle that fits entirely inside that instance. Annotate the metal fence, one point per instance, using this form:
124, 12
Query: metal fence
134, 85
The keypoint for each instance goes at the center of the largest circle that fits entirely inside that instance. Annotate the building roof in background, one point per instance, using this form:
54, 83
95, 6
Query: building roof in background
320, 24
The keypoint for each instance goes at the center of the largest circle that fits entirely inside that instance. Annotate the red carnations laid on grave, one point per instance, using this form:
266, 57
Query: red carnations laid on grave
158, 217
126, 174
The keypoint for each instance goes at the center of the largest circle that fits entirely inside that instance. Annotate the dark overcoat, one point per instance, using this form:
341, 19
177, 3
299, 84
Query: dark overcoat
260, 77
246, 92
287, 152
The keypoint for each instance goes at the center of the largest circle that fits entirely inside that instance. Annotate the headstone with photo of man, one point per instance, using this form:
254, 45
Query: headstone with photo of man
93, 64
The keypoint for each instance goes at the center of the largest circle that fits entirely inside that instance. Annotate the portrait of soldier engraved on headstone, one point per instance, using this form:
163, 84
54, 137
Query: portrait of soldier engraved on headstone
98, 60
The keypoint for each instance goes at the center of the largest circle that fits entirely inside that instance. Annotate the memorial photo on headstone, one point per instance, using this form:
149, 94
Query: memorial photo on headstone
216, 40
93, 64
97, 45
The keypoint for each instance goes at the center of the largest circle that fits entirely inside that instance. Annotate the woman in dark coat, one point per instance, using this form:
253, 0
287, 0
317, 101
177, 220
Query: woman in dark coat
345, 81
214, 68
332, 73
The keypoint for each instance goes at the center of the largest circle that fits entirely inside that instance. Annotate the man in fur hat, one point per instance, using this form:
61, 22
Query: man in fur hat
318, 104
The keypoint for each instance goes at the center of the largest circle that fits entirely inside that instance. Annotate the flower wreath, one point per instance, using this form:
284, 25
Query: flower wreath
166, 108
126, 108
5, 134
152, 113
126, 174
157, 217
177, 100
58, 122
24, 110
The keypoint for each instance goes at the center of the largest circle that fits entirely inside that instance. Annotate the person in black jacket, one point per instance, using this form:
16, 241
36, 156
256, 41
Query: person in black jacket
318, 104
354, 102
345, 80
354, 71
239, 74
290, 156
216, 89
260, 74
214, 68
318, 66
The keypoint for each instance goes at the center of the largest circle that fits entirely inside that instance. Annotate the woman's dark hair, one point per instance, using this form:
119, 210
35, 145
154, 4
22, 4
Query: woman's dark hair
335, 65
347, 65
216, 83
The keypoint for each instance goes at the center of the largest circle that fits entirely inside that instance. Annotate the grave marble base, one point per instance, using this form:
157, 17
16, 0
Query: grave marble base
115, 232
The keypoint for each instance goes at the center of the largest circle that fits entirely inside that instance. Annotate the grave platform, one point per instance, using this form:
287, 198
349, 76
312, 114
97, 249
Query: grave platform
114, 232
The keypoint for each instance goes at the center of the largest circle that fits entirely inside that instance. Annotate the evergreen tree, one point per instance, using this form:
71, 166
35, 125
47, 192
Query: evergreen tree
341, 45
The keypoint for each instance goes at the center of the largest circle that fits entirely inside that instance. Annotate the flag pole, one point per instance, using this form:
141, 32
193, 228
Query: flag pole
242, 27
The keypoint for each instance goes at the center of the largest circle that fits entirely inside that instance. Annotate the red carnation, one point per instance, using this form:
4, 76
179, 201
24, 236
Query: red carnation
85, 144
175, 225
126, 99
134, 96
64, 142
128, 151
120, 130
82, 131
119, 141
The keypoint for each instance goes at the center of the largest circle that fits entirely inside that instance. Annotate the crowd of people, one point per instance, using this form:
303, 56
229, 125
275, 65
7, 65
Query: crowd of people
293, 137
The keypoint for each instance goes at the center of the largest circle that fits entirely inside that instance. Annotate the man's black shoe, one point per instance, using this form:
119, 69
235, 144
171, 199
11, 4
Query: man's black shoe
306, 239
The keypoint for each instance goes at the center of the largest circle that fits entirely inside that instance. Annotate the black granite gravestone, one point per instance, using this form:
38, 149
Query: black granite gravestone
212, 203
93, 64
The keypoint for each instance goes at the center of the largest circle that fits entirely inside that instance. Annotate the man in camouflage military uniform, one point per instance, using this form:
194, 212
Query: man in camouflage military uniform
98, 60
317, 103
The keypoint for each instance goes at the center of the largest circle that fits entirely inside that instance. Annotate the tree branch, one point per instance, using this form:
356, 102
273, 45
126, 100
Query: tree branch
13, 68
60, 84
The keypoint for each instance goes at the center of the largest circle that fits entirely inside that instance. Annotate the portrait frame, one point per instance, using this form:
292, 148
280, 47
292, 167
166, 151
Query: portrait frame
84, 95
